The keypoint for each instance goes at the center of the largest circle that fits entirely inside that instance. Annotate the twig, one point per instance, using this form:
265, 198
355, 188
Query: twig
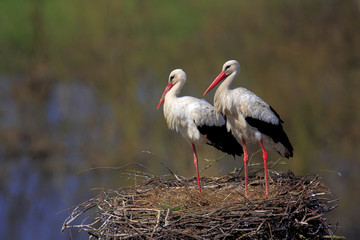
295, 209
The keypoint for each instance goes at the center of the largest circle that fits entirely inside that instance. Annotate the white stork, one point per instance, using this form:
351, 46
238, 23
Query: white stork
249, 117
195, 119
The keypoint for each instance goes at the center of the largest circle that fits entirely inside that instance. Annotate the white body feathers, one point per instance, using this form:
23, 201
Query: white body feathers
238, 104
185, 114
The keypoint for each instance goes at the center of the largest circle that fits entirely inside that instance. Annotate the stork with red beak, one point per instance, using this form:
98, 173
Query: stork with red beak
249, 118
195, 119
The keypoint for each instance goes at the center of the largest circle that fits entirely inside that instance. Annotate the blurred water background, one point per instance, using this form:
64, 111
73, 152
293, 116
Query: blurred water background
80, 82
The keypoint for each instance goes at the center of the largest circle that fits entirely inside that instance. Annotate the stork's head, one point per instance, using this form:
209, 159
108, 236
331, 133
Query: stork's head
178, 76
230, 67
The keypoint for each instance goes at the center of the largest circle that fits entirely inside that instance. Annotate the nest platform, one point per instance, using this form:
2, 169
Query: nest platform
170, 207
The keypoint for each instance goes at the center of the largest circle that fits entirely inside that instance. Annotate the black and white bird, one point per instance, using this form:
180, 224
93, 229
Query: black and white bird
195, 119
249, 117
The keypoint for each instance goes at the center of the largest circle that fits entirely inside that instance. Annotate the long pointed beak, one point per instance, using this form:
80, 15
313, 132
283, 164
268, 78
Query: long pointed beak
167, 88
220, 77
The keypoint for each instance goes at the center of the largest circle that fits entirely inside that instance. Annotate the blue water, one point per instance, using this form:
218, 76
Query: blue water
43, 146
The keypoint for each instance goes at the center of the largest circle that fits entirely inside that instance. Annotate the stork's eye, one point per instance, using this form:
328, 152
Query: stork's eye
172, 77
226, 68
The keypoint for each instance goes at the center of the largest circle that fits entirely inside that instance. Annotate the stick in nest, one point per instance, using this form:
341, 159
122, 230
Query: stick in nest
163, 208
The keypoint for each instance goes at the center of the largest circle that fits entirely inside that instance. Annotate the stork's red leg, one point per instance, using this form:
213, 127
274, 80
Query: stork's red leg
246, 161
196, 166
265, 167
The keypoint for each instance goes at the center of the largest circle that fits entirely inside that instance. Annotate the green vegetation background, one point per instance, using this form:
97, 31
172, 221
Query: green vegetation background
302, 57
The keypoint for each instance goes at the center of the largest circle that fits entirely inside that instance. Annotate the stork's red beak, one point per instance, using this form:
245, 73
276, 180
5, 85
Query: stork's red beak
167, 88
220, 77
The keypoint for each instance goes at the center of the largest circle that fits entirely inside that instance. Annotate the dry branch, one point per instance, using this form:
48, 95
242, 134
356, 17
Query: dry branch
166, 207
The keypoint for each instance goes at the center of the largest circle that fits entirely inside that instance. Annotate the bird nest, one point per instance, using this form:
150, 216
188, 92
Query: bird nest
170, 207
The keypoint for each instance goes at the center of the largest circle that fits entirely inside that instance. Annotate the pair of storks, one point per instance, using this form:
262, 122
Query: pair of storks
238, 116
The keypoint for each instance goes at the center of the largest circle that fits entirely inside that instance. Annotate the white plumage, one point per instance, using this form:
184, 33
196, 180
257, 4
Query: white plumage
195, 119
249, 117
237, 105
185, 114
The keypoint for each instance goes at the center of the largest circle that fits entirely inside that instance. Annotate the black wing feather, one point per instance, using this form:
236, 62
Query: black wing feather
276, 132
221, 139
276, 114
